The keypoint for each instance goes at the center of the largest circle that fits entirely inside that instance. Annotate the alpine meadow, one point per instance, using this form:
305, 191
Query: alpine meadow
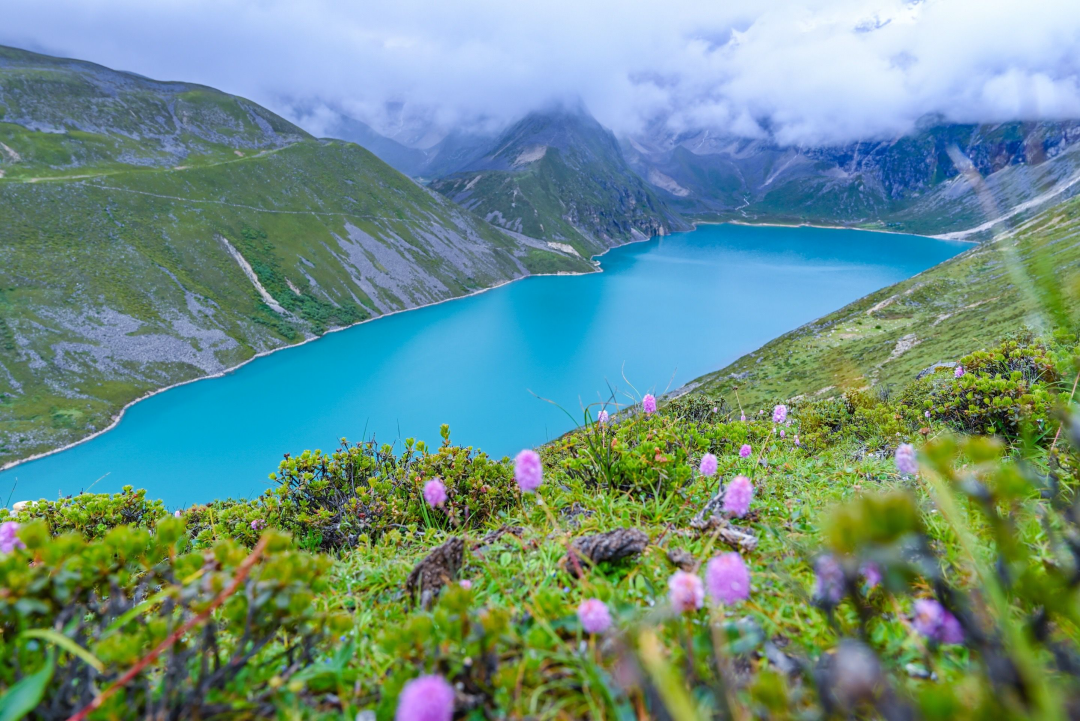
874, 515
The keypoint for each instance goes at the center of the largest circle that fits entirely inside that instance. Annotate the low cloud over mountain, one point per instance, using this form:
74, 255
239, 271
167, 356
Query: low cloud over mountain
811, 72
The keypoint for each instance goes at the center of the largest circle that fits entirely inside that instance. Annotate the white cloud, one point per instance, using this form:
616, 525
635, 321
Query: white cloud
816, 71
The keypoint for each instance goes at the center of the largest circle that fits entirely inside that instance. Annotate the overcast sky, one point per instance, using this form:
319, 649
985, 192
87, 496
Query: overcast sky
815, 71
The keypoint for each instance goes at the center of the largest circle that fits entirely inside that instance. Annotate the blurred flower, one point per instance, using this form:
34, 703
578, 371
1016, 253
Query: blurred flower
257, 524
905, 459
742, 417
685, 591
927, 414
782, 433
932, 620
737, 496
828, 580
435, 492
8, 540
871, 573
708, 465
427, 698
779, 414
797, 440
648, 404
744, 452
176, 513
594, 616
528, 471
465, 583
727, 578
602, 417
959, 372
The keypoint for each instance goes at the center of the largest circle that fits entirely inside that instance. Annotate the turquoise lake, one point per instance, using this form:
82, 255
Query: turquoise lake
663, 312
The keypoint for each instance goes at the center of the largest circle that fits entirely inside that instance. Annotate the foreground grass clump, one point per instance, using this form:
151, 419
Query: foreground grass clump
854, 585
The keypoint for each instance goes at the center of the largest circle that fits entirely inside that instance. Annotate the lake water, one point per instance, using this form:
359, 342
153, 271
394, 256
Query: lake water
662, 313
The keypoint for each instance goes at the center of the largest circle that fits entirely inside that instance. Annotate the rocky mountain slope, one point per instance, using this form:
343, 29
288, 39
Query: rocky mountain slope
154, 233
560, 175
915, 182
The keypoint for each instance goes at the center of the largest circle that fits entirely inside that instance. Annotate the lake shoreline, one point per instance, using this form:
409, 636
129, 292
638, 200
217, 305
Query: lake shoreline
115, 421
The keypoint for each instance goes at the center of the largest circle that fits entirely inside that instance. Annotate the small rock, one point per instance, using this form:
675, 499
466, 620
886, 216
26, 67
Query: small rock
437, 569
681, 558
609, 546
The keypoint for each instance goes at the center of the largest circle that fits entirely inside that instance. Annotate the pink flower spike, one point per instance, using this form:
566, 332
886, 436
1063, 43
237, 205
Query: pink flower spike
959, 372
934, 621
8, 540
797, 440
828, 581
528, 471
435, 492
602, 418
737, 496
685, 591
728, 578
871, 574
782, 433
742, 417
427, 698
905, 459
594, 616
779, 414
648, 404
744, 452
708, 465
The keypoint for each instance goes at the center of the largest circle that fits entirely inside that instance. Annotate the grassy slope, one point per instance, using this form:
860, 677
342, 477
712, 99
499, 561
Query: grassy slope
114, 278
964, 303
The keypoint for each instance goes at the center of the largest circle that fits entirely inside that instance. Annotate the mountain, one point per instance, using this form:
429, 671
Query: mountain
913, 182
561, 176
154, 233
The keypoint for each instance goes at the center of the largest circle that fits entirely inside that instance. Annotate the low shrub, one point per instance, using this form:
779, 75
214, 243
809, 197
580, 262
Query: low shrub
76, 614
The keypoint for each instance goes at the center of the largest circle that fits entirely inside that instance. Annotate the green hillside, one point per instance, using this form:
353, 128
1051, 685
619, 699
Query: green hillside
886, 338
138, 253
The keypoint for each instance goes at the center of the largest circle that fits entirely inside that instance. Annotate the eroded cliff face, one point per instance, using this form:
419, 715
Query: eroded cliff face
913, 182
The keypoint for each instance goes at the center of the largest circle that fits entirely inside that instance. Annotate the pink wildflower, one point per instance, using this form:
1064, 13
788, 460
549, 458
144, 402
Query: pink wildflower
728, 578
742, 417
177, 514
829, 580
782, 433
528, 471
257, 524
685, 591
797, 440
8, 540
435, 492
737, 496
648, 404
871, 573
932, 620
602, 418
708, 465
744, 452
959, 372
905, 459
779, 414
427, 698
594, 616
927, 414
465, 583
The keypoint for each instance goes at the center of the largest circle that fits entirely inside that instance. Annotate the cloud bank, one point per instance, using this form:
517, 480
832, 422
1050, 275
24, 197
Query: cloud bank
808, 72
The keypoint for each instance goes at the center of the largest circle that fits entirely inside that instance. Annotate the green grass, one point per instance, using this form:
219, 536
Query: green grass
951, 308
